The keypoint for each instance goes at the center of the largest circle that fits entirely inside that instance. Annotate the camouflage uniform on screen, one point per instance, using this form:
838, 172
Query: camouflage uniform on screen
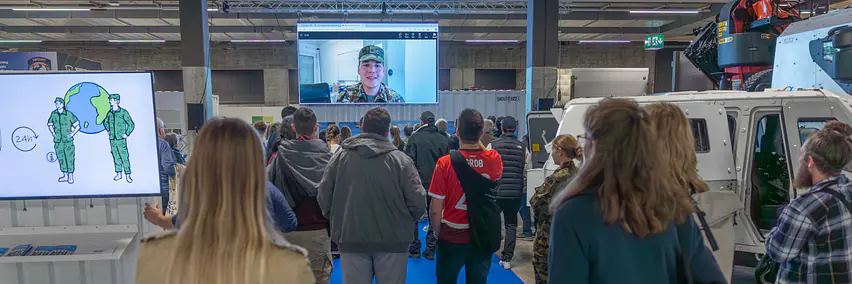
119, 124
356, 93
63, 124
541, 204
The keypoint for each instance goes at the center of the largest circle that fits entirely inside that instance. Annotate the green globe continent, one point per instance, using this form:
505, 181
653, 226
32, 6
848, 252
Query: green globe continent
101, 103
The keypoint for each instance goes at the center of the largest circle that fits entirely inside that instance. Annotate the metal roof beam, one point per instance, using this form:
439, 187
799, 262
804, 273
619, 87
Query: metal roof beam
270, 29
714, 10
154, 14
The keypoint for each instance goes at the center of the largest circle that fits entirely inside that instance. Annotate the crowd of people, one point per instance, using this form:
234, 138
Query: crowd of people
618, 209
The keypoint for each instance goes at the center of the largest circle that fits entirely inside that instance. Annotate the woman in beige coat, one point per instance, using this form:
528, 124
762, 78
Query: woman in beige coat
225, 236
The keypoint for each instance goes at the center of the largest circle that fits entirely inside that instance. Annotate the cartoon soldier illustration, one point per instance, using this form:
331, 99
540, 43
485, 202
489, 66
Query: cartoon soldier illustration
63, 126
119, 125
371, 71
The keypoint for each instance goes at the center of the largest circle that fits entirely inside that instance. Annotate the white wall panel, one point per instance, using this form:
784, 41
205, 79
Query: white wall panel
450, 104
71, 212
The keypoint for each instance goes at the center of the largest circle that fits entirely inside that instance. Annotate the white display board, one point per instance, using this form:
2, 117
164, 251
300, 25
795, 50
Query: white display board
113, 135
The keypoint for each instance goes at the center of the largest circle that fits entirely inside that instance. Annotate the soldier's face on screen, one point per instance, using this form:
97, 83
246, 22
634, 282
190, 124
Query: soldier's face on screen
371, 73
59, 105
113, 102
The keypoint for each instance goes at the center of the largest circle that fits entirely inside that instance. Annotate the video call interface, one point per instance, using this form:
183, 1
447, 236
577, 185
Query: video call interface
368, 63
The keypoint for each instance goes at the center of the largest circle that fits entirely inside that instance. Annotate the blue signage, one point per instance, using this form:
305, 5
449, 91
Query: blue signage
32, 61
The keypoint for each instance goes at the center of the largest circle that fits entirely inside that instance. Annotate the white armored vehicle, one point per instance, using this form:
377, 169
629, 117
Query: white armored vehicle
748, 143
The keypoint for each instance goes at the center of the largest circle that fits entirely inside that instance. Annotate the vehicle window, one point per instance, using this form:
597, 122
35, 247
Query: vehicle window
808, 126
770, 178
699, 132
732, 128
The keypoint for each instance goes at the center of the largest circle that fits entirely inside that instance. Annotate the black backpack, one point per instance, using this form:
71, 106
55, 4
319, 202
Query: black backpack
482, 212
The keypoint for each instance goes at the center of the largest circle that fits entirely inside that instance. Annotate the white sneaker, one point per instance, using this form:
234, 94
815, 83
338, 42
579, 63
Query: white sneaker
507, 265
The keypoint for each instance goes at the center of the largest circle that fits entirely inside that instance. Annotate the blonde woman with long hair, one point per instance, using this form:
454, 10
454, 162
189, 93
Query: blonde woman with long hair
623, 219
678, 146
226, 236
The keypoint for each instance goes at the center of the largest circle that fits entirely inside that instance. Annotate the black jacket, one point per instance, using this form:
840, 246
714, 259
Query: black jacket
454, 142
512, 151
425, 146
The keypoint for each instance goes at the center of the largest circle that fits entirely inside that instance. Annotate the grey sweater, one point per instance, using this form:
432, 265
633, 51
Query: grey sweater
372, 195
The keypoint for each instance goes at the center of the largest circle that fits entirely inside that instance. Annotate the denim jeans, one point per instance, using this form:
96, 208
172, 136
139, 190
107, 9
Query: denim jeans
525, 218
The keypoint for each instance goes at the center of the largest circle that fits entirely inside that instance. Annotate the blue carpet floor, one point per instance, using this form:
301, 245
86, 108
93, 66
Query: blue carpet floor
422, 271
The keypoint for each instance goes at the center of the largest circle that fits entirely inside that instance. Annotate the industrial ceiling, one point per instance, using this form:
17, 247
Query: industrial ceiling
244, 20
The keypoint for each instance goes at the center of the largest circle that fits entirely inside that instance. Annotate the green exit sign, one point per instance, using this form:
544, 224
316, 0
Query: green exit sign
654, 42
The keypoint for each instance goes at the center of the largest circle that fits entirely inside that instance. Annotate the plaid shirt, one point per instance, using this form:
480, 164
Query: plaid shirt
811, 240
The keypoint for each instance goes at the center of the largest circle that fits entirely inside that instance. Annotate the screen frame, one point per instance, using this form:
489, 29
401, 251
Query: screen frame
437, 63
153, 103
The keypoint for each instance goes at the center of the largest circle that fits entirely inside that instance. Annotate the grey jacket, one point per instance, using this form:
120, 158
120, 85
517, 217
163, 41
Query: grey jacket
372, 195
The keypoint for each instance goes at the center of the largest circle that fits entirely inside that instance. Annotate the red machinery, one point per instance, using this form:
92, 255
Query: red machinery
746, 34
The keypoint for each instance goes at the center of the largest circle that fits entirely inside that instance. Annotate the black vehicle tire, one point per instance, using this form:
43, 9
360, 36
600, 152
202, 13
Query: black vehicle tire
758, 82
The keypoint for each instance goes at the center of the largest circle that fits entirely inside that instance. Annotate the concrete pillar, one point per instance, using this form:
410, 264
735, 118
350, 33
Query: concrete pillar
195, 58
462, 78
276, 87
542, 50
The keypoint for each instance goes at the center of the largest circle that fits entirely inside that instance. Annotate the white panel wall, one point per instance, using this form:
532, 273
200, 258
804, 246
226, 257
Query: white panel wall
246, 112
450, 104
70, 212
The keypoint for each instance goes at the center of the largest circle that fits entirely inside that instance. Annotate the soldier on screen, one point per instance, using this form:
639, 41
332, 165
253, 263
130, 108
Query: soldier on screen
119, 124
371, 71
63, 125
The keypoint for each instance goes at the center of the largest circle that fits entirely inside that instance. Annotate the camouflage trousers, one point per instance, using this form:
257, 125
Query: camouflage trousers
318, 244
65, 156
120, 157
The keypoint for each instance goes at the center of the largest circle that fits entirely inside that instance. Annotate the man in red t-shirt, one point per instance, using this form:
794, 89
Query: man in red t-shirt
449, 214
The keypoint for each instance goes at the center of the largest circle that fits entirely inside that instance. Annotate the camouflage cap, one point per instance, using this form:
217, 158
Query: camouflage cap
114, 97
371, 52
59, 100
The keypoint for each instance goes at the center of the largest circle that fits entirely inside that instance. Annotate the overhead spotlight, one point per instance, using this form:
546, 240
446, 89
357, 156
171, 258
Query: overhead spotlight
137, 41
256, 40
226, 8
114, 3
19, 41
384, 8
664, 11
51, 9
491, 41
604, 41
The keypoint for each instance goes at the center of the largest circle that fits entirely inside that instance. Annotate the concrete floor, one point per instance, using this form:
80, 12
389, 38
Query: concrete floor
522, 261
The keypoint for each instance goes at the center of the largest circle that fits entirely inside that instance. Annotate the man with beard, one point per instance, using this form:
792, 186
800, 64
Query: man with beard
811, 240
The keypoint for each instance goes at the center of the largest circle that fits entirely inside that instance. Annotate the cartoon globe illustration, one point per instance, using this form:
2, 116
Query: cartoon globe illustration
90, 103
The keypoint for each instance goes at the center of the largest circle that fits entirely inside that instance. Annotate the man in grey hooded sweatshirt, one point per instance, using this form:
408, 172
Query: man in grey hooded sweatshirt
373, 196
297, 170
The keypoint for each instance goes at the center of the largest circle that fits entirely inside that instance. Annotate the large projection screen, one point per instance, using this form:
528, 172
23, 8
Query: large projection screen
65, 135
368, 63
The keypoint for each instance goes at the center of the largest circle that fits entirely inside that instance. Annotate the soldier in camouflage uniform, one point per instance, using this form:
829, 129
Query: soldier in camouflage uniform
540, 202
119, 125
63, 125
371, 71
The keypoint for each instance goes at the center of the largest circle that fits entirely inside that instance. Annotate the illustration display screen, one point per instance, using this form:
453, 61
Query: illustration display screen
77, 135
368, 63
